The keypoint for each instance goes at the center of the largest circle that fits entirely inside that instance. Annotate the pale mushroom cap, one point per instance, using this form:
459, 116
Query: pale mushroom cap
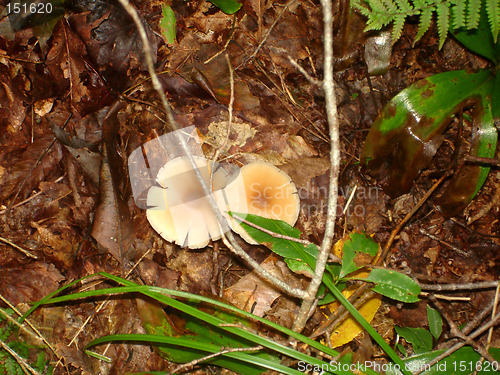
179, 210
262, 189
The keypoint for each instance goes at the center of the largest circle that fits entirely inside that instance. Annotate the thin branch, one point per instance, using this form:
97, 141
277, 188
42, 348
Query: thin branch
403, 222
25, 252
22, 362
333, 124
457, 346
466, 286
267, 34
313, 81
480, 160
213, 355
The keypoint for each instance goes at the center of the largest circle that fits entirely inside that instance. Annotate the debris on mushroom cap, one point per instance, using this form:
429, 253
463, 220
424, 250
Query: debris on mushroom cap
178, 209
262, 189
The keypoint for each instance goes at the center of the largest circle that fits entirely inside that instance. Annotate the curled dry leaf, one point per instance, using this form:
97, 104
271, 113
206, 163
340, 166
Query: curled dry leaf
253, 294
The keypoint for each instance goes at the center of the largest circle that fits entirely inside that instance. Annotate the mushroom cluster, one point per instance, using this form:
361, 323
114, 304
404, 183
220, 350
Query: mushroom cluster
180, 212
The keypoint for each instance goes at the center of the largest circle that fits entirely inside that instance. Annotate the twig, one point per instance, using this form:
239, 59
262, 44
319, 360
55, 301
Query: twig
457, 346
477, 159
28, 322
403, 222
267, 35
296, 292
457, 333
444, 243
333, 125
311, 79
213, 355
466, 286
271, 233
25, 252
22, 362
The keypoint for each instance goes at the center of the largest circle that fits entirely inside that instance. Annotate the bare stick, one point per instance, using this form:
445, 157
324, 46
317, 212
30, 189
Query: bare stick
22, 362
457, 346
403, 222
466, 286
28, 322
213, 355
25, 252
333, 124
296, 292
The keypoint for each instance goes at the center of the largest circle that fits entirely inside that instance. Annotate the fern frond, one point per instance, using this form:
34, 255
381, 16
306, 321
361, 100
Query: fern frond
424, 23
405, 7
443, 22
458, 15
397, 28
493, 11
363, 9
390, 6
473, 13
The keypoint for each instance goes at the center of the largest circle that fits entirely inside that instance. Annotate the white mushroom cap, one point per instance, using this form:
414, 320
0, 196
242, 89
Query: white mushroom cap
179, 210
264, 190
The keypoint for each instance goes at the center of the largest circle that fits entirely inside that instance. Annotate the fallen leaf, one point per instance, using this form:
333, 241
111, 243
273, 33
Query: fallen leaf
71, 71
253, 294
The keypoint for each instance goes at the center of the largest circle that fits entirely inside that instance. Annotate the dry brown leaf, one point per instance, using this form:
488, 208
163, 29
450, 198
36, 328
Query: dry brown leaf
253, 294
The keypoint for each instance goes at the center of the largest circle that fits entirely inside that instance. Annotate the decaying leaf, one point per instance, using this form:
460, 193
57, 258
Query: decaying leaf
70, 70
253, 294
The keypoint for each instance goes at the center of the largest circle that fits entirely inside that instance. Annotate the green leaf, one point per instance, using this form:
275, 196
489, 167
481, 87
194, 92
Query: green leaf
495, 98
420, 338
167, 23
227, 6
465, 184
480, 40
406, 135
283, 247
435, 322
357, 243
394, 285
461, 362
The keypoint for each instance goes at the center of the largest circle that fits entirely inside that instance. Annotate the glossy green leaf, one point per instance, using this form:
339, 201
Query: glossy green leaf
419, 338
227, 6
167, 23
435, 322
405, 137
495, 98
394, 285
461, 362
283, 247
357, 243
480, 40
466, 182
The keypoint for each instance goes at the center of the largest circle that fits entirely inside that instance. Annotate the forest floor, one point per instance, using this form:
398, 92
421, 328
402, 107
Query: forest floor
67, 211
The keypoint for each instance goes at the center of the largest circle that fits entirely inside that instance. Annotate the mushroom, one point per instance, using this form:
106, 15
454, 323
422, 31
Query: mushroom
178, 209
261, 189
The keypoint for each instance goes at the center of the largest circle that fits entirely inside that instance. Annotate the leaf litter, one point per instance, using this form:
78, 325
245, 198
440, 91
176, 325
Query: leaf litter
93, 54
